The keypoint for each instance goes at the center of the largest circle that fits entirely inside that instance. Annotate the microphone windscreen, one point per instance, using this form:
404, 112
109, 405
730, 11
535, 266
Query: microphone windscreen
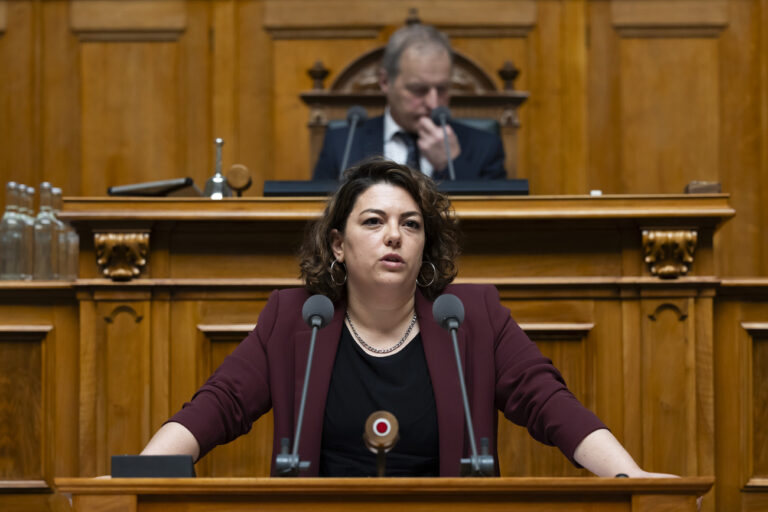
381, 431
440, 115
318, 306
447, 307
356, 114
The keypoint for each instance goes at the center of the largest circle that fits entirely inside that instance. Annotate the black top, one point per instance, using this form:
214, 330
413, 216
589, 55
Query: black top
361, 384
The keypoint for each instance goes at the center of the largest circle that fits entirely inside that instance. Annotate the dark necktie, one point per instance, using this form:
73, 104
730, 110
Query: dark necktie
412, 159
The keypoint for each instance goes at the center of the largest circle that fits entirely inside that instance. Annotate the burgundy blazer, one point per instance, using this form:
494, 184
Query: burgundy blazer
503, 370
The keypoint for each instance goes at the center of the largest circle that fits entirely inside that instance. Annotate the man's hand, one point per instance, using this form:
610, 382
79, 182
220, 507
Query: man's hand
431, 143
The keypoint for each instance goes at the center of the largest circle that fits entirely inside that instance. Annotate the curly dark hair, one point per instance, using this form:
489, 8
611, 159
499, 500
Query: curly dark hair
441, 229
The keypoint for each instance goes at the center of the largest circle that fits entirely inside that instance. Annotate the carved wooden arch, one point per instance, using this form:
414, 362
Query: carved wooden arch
362, 75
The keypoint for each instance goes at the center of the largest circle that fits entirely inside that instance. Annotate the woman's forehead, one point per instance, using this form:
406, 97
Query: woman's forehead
385, 196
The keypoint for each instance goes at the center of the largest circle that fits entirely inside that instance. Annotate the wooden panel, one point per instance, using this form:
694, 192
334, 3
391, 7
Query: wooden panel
255, 81
3, 16
487, 254
662, 503
744, 131
760, 407
662, 149
490, 53
136, 83
566, 345
732, 404
21, 402
105, 503
759, 398
217, 326
250, 455
18, 129
115, 370
249, 255
549, 118
44, 502
292, 59
60, 101
668, 384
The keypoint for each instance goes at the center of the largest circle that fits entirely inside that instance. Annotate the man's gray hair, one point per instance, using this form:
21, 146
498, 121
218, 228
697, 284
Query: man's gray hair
411, 35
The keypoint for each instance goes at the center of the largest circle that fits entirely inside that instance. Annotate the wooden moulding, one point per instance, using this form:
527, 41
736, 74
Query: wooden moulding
683, 18
121, 255
3, 16
402, 493
706, 209
425, 486
104, 20
33, 333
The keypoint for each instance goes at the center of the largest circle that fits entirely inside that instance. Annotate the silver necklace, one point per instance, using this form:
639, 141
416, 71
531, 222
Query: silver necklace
379, 350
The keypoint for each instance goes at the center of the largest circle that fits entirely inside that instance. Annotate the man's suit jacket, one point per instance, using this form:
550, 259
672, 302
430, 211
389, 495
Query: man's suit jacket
503, 370
481, 157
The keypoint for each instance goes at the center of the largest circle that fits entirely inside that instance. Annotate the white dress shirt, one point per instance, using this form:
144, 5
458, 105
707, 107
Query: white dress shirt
395, 149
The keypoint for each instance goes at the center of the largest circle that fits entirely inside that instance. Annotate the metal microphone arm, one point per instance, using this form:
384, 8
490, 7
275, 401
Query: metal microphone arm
288, 464
355, 115
478, 464
348, 147
441, 115
451, 172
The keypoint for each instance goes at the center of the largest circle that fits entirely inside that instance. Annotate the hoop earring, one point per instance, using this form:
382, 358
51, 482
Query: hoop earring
434, 275
330, 270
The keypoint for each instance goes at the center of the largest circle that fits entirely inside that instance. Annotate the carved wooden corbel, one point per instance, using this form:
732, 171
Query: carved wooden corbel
121, 256
669, 254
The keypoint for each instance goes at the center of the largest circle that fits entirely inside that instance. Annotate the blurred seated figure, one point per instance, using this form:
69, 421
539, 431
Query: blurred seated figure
415, 76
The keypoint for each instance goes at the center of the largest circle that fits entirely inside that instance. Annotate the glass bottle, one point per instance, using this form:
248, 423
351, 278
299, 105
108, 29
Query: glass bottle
11, 235
46, 237
73, 256
62, 233
26, 211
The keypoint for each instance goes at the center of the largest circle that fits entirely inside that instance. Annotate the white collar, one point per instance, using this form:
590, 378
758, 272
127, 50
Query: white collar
390, 126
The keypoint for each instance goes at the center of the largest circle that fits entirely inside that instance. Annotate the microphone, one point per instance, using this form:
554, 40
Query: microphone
441, 115
381, 433
356, 114
317, 312
449, 314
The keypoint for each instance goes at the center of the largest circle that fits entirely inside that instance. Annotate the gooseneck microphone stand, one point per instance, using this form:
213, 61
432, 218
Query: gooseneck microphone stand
317, 313
449, 313
440, 116
355, 115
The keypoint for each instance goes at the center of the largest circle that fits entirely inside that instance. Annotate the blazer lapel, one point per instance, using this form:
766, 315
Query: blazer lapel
441, 361
326, 345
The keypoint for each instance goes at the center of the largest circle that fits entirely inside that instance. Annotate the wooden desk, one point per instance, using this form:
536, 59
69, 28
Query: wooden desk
636, 348
372, 495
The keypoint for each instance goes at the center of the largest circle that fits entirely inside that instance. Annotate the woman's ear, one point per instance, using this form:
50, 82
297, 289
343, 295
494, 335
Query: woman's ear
337, 245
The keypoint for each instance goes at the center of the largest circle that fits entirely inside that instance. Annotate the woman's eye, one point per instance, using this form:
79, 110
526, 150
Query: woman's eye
412, 224
372, 221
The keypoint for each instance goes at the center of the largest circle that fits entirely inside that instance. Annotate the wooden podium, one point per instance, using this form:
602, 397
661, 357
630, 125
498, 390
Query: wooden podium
386, 494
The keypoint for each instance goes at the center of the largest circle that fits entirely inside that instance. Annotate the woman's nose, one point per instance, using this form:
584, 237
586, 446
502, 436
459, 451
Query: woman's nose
392, 236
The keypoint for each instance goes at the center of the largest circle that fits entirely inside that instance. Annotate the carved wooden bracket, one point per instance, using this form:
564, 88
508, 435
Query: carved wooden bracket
121, 256
669, 254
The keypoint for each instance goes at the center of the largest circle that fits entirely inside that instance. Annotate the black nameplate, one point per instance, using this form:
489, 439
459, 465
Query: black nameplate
152, 466
516, 187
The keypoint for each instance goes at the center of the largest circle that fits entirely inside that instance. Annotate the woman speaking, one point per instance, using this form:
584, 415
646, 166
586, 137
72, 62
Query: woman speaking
383, 251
